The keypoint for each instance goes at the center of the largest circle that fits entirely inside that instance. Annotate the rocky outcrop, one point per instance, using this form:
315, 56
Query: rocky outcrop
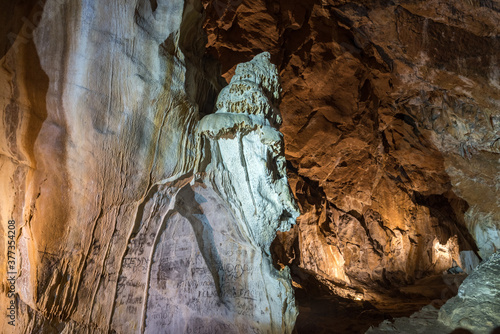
477, 304
423, 321
476, 308
132, 215
390, 119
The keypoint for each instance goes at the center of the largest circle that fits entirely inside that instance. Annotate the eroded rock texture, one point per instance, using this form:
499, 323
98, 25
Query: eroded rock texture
391, 123
477, 304
476, 307
116, 231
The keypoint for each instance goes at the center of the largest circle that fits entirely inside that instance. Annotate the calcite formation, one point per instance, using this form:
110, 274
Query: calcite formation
243, 161
391, 119
244, 152
133, 213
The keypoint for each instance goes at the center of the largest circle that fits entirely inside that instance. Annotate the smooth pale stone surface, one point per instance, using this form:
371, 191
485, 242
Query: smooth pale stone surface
99, 142
211, 279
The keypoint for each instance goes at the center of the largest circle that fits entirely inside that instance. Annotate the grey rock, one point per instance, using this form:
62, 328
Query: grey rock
477, 304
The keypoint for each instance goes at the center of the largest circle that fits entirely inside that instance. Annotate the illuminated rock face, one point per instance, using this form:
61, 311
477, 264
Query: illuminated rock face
390, 118
132, 216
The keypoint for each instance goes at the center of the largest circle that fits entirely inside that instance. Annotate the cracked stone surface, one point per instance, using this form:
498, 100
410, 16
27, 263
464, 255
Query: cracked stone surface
390, 118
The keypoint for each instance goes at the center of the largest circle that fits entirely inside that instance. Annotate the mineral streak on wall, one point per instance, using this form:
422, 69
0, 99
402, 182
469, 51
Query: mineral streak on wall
100, 136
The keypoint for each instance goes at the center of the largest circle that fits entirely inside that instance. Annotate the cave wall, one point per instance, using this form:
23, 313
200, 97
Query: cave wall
460, 313
132, 209
391, 124
115, 230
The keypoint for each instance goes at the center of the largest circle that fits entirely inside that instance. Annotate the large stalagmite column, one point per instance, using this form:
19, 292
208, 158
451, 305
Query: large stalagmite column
215, 275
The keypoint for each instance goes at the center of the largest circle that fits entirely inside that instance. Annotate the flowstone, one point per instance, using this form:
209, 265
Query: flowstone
212, 268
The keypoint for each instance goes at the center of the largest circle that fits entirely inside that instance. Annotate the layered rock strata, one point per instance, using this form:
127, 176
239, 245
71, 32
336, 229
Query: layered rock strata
132, 215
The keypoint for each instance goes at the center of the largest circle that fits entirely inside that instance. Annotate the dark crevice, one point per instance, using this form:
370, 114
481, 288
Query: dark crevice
154, 5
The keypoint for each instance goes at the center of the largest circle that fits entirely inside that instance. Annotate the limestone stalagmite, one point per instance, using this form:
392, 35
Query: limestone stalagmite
132, 216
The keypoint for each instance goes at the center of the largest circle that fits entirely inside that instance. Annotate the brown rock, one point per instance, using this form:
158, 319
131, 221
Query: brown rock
388, 107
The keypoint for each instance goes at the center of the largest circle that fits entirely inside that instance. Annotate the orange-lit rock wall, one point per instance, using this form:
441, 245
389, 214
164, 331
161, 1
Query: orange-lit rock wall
391, 120
143, 204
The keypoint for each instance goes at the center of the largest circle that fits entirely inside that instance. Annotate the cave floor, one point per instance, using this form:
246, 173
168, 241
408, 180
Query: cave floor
334, 314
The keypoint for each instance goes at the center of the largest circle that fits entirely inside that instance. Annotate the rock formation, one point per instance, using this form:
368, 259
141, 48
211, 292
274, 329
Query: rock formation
140, 202
132, 215
475, 308
477, 304
390, 118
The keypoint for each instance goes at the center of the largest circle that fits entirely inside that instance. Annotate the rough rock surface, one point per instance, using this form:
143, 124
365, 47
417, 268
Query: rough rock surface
476, 307
477, 304
423, 321
115, 230
391, 123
